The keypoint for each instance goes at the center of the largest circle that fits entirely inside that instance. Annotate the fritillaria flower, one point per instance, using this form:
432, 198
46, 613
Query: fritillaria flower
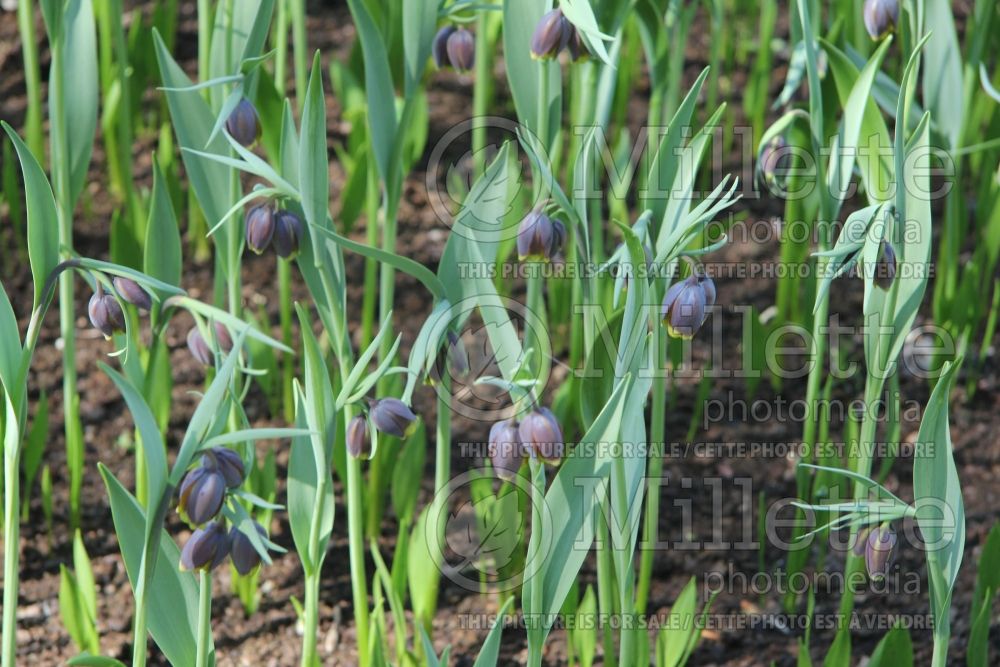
287, 232
505, 449
880, 551
541, 436
199, 347
207, 547
202, 493
243, 123
552, 34
539, 237
454, 47
131, 292
228, 463
880, 17
245, 557
392, 417
106, 313
885, 266
259, 228
358, 442
685, 305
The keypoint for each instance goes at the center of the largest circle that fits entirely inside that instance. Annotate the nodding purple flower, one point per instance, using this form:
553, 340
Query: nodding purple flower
885, 266
861, 541
684, 307
773, 156
287, 232
202, 492
228, 463
708, 285
133, 293
577, 48
505, 449
106, 313
245, 557
243, 123
259, 228
880, 551
199, 347
552, 34
358, 442
207, 547
458, 358
880, 17
439, 49
539, 237
392, 417
541, 436
461, 48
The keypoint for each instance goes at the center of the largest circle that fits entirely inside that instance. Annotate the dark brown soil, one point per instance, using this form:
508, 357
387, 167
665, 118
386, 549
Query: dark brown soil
271, 636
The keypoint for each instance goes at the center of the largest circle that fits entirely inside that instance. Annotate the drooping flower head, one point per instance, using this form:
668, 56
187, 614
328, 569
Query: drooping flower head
881, 17
243, 123
207, 547
392, 417
505, 449
245, 557
684, 306
541, 436
539, 237
133, 293
106, 313
202, 493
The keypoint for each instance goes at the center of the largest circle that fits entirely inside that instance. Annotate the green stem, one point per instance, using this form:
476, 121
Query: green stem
285, 315
299, 49
204, 619
657, 432
281, 47
11, 544
309, 658
371, 266
442, 474
32, 79
356, 541
481, 92
204, 41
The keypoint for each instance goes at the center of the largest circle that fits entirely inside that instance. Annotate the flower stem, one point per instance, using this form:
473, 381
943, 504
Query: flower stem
311, 620
11, 541
356, 539
204, 619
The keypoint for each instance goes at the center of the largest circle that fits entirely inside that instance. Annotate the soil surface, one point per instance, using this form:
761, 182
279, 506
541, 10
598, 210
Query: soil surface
705, 499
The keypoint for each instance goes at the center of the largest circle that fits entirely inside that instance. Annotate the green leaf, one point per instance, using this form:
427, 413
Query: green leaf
839, 654
162, 250
43, 223
379, 88
490, 651
80, 88
405, 484
568, 516
943, 82
10, 343
85, 579
94, 661
314, 177
581, 14
419, 22
673, 639
937, 492
895, 650
150, 438
173, 595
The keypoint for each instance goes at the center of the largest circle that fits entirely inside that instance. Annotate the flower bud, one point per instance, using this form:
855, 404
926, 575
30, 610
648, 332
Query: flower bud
458, 358
259, 228
880, 551
880, 17
106, 313
227, 463
541, 436
131, 292
576, 47
708, 285
861, 541
505, 449
245, 557
462, 50
539, 237
222, 337
439, 49
358, 442
202, 493
773, 157
206, 548
684, 307
243, 124
287, 232
393, 417
198, 348
552, 35
885, 266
